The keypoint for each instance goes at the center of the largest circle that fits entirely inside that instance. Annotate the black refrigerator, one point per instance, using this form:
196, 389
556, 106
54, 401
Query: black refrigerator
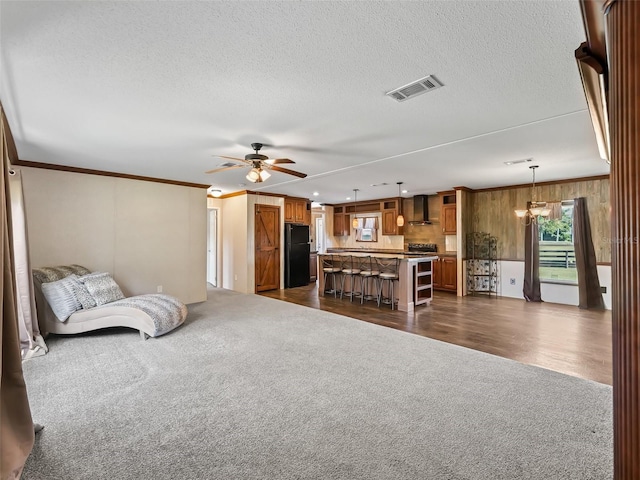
296, 255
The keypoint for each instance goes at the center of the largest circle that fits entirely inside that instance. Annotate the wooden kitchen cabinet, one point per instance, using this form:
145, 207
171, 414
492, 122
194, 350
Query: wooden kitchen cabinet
448, 212
390, 209
448, 219
297, 210
445, 274
389, 226
340, 222
289, 210
313, 267
449, 273
437, 274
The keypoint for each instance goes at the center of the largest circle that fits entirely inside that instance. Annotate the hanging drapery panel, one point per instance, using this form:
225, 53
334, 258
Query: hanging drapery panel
531, 284
31, 342
16, 424
590, 295
556, 210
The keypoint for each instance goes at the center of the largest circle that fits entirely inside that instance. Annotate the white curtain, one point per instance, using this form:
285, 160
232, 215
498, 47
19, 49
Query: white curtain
31, 342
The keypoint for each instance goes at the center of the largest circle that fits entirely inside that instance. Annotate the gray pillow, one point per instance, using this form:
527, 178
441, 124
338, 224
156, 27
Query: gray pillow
83, 295
102, 287
61, 296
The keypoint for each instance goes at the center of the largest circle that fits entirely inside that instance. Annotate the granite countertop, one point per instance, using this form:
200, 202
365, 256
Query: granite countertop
384, 253
391, 252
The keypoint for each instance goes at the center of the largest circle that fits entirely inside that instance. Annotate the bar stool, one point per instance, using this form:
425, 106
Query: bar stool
389, 269
351, 270
368, 273
330, 268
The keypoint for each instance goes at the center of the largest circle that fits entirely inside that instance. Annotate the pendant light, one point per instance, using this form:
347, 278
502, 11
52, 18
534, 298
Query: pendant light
354, 224
400, 219
536, 209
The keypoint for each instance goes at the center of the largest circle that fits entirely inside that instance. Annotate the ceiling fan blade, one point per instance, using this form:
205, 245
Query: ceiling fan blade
286, 170
234, 158
215, 170
277, 161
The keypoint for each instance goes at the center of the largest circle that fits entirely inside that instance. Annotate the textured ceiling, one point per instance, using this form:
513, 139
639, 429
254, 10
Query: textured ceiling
159, 88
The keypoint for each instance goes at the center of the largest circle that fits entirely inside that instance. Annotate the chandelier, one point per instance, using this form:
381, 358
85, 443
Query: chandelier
536, 209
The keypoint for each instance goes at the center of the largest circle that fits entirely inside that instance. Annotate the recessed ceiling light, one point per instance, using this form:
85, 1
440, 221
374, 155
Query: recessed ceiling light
315, 194
405, 191
348, 198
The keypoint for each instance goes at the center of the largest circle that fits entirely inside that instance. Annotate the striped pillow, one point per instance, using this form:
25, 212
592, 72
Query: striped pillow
61, 296
102, 287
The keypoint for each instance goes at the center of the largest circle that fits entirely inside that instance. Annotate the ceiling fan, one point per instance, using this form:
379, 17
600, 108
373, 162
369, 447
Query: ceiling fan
260, 165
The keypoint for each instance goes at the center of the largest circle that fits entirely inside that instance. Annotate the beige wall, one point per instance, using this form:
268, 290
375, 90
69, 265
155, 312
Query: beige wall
234, 243
145, 234
238, 240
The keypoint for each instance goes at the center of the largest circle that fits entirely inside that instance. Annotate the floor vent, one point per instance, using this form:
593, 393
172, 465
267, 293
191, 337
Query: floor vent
416, 88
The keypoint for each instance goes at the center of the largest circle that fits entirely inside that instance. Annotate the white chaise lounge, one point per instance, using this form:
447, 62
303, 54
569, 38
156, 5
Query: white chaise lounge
70, 299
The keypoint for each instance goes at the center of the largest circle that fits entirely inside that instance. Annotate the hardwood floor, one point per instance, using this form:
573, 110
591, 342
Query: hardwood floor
557, 337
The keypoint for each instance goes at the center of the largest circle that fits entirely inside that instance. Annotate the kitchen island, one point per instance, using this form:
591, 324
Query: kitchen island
415, 276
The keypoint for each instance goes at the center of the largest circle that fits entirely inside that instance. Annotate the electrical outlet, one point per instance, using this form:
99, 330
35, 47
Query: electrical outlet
512, 281
603, 289
159, 288
235, 277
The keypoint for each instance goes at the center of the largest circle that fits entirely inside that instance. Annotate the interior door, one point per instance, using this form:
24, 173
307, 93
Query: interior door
267, 248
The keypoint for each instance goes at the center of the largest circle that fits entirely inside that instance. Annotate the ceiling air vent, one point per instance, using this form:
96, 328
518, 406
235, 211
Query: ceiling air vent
416, 88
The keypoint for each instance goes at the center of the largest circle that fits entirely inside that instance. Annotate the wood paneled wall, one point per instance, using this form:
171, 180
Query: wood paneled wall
493, 212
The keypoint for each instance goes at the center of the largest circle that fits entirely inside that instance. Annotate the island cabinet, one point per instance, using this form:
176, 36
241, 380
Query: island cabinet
445, 274
297, 210
313, 266
413, 286
448, 213
422, 282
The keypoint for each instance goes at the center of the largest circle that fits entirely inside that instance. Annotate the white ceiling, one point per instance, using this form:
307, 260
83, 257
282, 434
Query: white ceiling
159, 88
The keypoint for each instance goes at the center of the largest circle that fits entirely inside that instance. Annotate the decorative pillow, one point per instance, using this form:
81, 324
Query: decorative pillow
83, 295
61, 296
51, 274
102, 287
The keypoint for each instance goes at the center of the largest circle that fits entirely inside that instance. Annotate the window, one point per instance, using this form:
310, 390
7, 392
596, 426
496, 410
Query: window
557, 255
367, 230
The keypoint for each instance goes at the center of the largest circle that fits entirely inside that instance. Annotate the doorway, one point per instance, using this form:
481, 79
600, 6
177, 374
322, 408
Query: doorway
320, 236
212, 247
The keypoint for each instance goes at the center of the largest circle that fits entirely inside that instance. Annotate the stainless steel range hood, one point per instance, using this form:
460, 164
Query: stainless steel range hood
420, 211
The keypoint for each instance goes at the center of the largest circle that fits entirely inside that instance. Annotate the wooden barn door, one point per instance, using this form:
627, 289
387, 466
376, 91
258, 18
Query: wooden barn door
267, 247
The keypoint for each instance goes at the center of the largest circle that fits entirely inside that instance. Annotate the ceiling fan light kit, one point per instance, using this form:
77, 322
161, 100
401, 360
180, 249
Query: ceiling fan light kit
260, 165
